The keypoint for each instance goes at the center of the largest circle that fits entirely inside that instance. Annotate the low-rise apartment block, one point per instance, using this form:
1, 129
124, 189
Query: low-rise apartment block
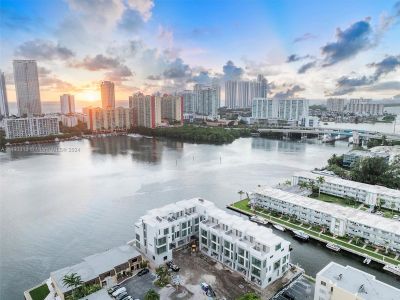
353, 156
31, 127
372, 195
253, 250
339, 220
104, 269
337, 282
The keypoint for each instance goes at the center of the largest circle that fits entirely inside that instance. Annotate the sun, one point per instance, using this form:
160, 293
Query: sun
89, 95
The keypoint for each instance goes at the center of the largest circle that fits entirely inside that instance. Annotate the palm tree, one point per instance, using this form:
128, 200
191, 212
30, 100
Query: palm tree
72, 280
320, 181
303, 185
151, 295
241, 194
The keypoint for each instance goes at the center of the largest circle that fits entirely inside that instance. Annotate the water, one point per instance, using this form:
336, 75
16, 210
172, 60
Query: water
57, 207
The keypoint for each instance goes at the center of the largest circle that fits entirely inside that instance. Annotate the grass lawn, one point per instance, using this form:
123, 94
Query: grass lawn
325, 237
334, 199
40, 292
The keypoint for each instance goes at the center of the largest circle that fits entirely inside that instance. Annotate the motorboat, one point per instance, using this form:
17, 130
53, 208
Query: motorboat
279, 227
333, 247
258, 220
301, 235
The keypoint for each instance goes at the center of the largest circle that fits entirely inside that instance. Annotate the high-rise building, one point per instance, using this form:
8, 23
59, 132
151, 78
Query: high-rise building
365, 107
148, 110
110, 118
107, 94
3, 96
172, 108
281, 109
206, 100
188, 101
337, 282
240, 93
335, 104
67, 103
31, 127
27, 87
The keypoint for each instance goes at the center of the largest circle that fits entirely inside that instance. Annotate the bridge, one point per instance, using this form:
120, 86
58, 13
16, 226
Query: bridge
363, 134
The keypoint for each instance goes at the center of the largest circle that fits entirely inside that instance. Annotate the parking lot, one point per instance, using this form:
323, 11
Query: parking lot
137, 286
300, 289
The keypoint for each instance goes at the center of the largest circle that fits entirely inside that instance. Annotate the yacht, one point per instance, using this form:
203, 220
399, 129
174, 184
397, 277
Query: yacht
279, 227
258, 220
333, 247
393, 269
301, 235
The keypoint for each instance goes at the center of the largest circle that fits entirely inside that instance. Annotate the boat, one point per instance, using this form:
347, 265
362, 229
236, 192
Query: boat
333, 247
135, 135
258, 220
367, 260
301, 235
393, 269
279, 227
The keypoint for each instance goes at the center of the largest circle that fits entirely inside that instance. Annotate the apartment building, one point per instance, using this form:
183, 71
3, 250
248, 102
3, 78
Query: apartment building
336, 104
279, 109
31, 127
206, 101
172, 108
252, 250
105, 269
353, 156
240, 93
69, 121
188, 101
147, 108
107, 94
339, 220
337, 282
110, 118
373, 195
67, 104
365, 107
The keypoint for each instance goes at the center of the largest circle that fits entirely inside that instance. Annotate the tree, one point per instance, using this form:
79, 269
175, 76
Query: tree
241, 194
372, 170
72, 280
320, 182
303, 185
151, 295
249, 296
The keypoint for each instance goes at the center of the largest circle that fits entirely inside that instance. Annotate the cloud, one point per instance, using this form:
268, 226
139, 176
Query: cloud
144, 7
43, 50
388, 20
166, 36
304, 37
50, 81
203, 77
154, 77
345, 84
383, 86
177, 69
130, 21
349, 43
290, 92
304, 68
295, 57
232, 72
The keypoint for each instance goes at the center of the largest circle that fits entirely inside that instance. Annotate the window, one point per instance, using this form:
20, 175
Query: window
203, 232
162, 241
166, 231
255, 271
256, 262
196, 221
204, 240
277, 247
323, 283
137, 237
277, 264
161, 249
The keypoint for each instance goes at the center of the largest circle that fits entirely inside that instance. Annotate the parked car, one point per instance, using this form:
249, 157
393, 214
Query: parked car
113, 289
127, 298
119, 291
396, 217
174, 268
121, 296
143, 272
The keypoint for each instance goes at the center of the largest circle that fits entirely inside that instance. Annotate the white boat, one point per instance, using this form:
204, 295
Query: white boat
135, 135
393, 269
367, 261
258, 220
279, 227
333, 247
301, 235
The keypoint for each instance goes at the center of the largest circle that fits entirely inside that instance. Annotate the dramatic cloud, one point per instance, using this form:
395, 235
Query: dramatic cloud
295, 57
306, 67
99, 62
119, 74
348, 43
305, 37
231, 72
383, 86
202, 78
290, 92
177, 69
345, 84
43, 50
50, 81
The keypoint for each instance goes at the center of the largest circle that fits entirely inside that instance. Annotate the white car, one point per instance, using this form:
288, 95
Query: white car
119, 291
396, 217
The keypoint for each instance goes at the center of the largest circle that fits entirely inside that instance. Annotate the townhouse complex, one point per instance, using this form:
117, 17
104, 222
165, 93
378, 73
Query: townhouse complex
339, 220
373, 195
337, 282
253, 250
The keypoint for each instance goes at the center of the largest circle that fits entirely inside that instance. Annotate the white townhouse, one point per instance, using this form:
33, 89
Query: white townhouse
253, 250
373, 195
340, 220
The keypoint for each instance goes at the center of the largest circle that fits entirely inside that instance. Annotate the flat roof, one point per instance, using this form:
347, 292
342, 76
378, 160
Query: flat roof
352, 184
352, 279
94, 265
335, 210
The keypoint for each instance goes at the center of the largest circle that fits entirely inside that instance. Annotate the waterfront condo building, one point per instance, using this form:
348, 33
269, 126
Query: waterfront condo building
337, 282
335, 105
3, 96
31, 127
206, 101
353, 156
172, 108
338, 220
188, 101
240, 93
372, 195
271, 110
243, 246
67, 104
147, 108
107, 94
27, 87
363, 106
110, 119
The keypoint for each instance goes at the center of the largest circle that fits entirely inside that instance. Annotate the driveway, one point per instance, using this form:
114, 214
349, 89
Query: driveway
137, 286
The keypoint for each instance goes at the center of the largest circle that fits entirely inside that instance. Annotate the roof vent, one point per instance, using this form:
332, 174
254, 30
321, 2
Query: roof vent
339, 277
201, 200
361, 289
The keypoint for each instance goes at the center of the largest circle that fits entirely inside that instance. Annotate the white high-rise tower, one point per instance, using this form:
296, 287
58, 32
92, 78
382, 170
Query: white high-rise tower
3, 96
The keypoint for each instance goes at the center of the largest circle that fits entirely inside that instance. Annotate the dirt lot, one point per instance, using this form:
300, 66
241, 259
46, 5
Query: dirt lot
197, 268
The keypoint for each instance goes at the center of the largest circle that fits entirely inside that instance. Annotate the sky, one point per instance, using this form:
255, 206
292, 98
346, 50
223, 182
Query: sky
305, 48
